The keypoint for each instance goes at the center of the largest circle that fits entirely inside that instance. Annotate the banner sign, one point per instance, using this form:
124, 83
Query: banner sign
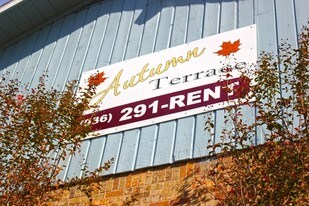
173, 83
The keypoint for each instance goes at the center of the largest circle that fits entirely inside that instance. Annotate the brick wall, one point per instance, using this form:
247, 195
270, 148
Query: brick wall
166, 185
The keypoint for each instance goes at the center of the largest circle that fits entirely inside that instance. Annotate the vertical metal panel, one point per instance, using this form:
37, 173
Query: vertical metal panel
111, 34
1, 60
285, 21
287, 32
137, 29
99, 33
96, 150
201, 137
111, 151
185, 125
267, 40
165, 141
165, 26
127, 152
186, 129
6, 58
129, 141
123, 33
71, 49
7, 62
64, 163
228, 16
49, 49
179, 147
212, 17
148, 137
60, 48
149, 35
146, 148
301, 8
36, 55
116, 30
227, 22
79, 40
26, 53
266, 26
77, 162
151, 13
82, 46
245, 13
246, 16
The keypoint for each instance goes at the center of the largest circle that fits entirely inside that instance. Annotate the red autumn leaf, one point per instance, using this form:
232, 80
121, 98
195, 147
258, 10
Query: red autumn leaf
228, 48
96, 79
244, 87
20, 97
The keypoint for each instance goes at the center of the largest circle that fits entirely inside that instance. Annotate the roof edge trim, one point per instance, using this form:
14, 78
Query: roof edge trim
9, 5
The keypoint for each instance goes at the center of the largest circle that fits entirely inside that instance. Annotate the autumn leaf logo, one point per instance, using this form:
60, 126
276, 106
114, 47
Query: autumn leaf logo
228, 48
96, 79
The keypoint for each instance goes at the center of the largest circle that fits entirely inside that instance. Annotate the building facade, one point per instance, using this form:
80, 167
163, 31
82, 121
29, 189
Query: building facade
68, 37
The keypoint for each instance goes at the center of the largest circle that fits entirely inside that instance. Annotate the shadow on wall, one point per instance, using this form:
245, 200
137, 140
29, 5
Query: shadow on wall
142, 18
148, 8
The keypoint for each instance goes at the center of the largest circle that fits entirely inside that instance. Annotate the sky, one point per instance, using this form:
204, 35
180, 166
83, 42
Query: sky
2, 2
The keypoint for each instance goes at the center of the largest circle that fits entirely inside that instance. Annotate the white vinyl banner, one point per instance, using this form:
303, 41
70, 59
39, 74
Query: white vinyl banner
169, 84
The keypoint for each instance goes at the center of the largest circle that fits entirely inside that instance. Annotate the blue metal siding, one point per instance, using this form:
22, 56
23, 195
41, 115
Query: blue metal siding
116, 30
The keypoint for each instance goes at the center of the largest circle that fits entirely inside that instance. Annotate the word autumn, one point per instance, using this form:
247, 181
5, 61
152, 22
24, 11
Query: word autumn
196, 99
119, 84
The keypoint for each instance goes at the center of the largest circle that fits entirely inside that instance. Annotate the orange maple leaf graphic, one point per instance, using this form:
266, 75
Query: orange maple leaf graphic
228, 48
96, 79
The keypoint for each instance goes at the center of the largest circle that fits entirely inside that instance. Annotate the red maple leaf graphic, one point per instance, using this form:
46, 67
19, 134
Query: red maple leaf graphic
96, 79
228, 48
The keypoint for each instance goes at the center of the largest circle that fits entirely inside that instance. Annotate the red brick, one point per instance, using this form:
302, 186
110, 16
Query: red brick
155, 177
158, 186
164, 203
116, 184
183, 171
148, 178
122, 182
72, 192
109, 185
175, 173
161, 175
114, 193
128, 182
168, 174
142, 179
190, 168
134, 180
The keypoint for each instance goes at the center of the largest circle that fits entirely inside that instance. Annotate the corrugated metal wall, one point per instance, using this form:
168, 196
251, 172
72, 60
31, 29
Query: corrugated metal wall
115, 30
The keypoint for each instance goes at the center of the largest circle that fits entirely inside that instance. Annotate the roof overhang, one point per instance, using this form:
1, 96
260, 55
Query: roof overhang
9, 5
18, 18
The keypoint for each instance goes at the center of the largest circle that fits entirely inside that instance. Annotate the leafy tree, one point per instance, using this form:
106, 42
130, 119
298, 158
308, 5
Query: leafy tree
276, 172
38, 129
